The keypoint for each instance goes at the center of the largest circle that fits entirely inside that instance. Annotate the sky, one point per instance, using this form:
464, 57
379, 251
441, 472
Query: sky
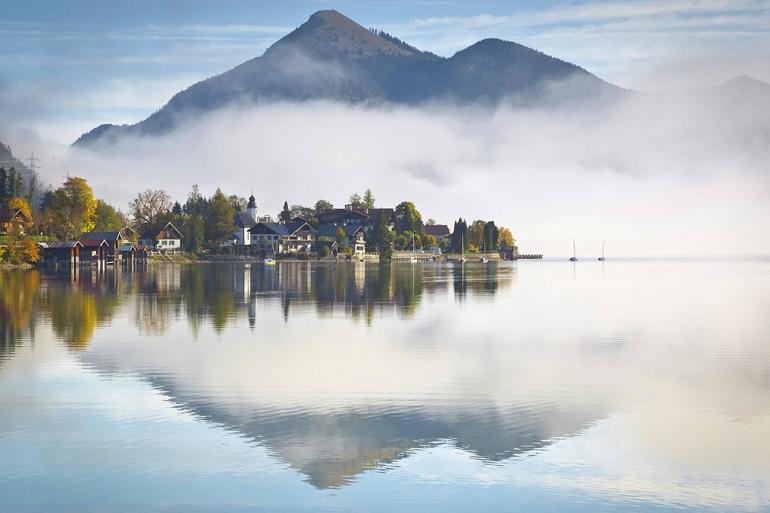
67, 66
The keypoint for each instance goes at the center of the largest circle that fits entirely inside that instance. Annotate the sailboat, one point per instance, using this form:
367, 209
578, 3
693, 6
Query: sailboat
601, 258
573, 258
462, 250
414, 250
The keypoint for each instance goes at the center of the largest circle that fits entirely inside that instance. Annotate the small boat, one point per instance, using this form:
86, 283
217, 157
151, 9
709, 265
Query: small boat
573, 258
269, 261
483, 260
601, 258
462, 250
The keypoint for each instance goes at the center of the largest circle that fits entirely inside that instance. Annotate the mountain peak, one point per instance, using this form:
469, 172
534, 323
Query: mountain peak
329, 33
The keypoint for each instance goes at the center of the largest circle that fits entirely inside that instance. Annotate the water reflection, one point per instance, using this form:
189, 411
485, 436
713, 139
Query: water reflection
594, 389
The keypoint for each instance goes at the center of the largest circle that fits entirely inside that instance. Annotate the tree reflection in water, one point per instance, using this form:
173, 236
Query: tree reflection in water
76, 303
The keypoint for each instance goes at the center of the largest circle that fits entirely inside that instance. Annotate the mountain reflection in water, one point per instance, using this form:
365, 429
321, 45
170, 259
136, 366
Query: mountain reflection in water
588, 378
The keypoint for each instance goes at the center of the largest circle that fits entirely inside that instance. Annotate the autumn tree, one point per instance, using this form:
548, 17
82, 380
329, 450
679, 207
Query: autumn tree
148, 209
407, 218
506, 239
72, 207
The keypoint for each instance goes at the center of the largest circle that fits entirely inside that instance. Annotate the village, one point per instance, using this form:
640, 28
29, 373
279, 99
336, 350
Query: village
231, 229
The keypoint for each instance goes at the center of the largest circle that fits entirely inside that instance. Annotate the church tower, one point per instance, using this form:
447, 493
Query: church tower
251, 208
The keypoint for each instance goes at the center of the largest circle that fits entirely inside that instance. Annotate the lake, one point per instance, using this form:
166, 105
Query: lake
629, 385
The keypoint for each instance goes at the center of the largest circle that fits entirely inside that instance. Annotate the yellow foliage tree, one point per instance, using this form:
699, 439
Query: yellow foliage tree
505, 238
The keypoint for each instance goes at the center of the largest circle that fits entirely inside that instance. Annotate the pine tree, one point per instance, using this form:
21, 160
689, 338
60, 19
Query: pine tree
285, 215
3, 186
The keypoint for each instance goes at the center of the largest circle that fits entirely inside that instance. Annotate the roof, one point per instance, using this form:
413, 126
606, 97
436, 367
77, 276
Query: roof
170, 225
437, 230
330, 230
284, 230
108, 236
93, 243
63, 244
9, 215
244, 220
127, 247
368, 214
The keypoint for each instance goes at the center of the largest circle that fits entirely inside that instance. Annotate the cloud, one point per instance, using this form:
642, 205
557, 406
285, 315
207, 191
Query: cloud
653, 174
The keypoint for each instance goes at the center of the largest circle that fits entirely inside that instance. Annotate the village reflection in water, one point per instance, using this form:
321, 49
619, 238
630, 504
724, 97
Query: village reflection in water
499, 384
76, 303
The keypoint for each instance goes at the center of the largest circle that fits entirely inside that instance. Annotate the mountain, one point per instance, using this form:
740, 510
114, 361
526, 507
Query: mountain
332, 57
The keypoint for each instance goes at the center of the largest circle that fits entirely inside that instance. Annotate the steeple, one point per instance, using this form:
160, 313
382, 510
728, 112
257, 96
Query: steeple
251, 208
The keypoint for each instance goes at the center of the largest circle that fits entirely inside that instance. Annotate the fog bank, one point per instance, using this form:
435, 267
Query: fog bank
683, 174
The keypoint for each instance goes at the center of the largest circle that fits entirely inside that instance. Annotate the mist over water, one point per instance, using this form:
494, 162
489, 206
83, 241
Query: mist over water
662, 174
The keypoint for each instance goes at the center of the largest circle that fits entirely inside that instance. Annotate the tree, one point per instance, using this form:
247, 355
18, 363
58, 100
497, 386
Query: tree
285, 215
220, 218
491, 236
459, 238
431, 222
407, 218
239, 203
356, 201
506, 239
177, 210
368, 199
14, 183
322, 205
195, 204
194, 234
476, 233
107, 218
429, 241
72, 208
340, 236
19, 248
4, 196
148, 209
21, 204
381, 237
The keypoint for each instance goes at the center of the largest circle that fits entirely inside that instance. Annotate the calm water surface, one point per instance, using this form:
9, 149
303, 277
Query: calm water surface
530, 386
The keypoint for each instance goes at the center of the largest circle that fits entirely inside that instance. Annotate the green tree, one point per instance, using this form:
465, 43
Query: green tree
285, 215
356, 201
368, 199
491, 236
4, 196
196, 204
239, 203
476, 233
341, 238
107, 218
407, 218
220, 218
381, 237
32, 190
459, 238
193, 234
322, 205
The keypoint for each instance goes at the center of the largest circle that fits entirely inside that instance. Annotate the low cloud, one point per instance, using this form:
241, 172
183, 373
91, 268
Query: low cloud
651, 174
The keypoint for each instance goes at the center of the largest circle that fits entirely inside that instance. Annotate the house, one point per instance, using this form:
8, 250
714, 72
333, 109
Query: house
245, 221
114, 239
293, 237
351, 216
129, 234
355, 235
169, 238
61, 252
94, 251
9, 217
440, 231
